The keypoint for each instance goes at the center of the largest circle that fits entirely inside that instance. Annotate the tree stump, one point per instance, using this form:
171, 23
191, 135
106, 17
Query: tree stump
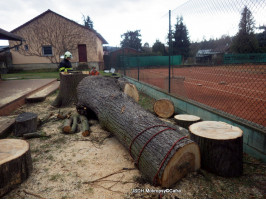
161, 150
68, 89
15, 163
25, 123
221, 147
186, 120
164, 108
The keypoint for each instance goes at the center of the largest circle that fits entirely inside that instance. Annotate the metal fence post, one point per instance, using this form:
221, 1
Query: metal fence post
169, 51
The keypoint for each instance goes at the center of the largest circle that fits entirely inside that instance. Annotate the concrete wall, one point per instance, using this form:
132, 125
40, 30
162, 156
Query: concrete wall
254, 139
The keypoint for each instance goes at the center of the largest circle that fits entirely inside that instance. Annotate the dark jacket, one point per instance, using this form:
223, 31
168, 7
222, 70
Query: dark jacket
65, 64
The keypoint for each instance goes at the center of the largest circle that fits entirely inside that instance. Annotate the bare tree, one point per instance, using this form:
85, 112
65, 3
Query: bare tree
51, 30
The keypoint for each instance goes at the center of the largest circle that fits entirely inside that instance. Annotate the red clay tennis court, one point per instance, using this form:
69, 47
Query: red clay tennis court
237, 90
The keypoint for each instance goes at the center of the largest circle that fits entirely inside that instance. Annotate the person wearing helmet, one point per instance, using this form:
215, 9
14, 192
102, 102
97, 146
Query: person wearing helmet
65, 64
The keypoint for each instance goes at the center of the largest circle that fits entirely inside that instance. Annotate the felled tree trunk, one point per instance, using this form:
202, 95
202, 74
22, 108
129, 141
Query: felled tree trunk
67, 89
221, 147
161, 150
15, 163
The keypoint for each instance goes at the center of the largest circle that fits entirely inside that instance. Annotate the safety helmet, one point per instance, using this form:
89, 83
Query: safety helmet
67, 55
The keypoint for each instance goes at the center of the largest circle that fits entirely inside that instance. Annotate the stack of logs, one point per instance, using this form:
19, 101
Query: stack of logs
221, 144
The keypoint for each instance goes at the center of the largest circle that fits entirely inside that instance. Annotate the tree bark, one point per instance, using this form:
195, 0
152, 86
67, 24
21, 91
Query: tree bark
35, 135
161, 150
15, 163
186, 120
74, 123
67, 89
25, 123
164, 108
221, 147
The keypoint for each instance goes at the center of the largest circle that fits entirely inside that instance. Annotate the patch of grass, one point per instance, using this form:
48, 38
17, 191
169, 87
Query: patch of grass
146, 102
60, 140
35, 159
31, 75
50, 157
45, 146
55, 177
90, 190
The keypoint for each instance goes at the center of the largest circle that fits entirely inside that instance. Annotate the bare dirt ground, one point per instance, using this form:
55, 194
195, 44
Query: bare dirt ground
98, 166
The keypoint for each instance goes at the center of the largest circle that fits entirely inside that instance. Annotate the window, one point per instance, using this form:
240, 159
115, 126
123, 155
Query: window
26, 47
47, 51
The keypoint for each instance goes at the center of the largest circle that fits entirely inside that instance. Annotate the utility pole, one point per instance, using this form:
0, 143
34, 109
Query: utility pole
169, 51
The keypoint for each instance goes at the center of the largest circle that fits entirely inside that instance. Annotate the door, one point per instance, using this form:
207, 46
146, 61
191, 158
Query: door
82, 53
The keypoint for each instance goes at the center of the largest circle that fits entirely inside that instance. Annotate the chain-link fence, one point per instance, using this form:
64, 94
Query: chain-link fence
226, 73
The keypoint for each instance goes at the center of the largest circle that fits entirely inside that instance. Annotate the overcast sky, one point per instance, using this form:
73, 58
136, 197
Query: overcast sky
111, 18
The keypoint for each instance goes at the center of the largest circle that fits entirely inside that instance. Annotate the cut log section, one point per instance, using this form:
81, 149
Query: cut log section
221, 147
164, 108
67, 89
129, 89
186, 120
74, 123
35, 135
85, 128
15, 163
25, 123
67, 125
132, 91
161, 150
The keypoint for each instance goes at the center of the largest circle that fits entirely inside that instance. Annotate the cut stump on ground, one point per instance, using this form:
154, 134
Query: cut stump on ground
164, 108
25, 123
67, 89
221, 147
15, 163
185, 120
161, 150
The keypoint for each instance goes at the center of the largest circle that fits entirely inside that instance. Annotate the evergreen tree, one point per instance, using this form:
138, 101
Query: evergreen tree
181, 41
245, 40
87, 22
131, 39
158, 48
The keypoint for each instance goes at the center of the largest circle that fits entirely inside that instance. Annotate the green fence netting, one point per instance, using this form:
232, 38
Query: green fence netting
145, 61
245, 58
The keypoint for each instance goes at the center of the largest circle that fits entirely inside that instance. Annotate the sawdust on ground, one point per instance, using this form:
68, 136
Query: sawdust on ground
66, 166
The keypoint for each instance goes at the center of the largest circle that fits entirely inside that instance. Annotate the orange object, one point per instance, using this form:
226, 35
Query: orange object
94, 72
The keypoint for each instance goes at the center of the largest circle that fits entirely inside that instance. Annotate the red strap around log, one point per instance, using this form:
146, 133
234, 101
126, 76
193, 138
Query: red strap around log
149, 141
141, 134
165, 157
